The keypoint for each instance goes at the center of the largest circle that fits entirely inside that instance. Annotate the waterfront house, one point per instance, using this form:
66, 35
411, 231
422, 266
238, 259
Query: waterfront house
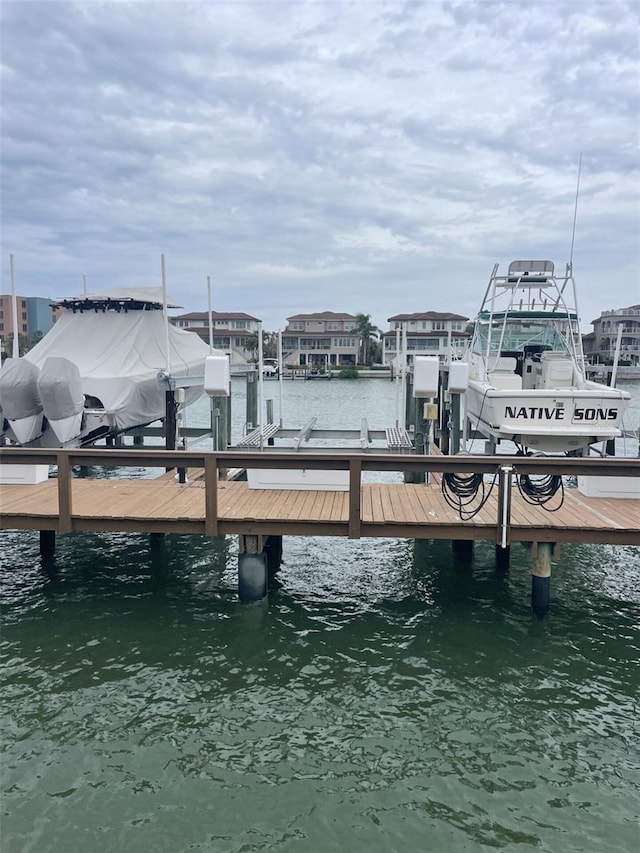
325, 338
427, 333
231, 331
601, 343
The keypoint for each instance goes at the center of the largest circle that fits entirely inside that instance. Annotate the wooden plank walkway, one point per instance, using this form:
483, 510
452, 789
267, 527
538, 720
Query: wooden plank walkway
405, 510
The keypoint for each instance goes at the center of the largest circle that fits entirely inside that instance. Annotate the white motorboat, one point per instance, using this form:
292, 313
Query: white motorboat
527, 379
101, 370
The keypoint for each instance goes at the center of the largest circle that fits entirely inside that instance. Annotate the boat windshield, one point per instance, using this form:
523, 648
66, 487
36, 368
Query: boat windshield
518, 335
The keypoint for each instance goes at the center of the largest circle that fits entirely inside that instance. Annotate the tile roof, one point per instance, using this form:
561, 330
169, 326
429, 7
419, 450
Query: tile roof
427, 315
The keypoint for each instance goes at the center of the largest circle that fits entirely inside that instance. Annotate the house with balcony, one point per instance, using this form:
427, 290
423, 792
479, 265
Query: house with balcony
230, 331
427, 333
323, 339
601, 343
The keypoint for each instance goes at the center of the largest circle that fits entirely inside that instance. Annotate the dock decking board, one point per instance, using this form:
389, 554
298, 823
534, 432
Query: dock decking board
387, 509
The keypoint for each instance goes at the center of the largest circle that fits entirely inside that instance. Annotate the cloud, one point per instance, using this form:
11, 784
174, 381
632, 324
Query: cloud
374, 157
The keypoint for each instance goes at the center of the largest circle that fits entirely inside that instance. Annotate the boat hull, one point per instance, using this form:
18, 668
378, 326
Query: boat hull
546, 420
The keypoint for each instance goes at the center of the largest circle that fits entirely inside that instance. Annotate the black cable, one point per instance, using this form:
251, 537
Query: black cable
462, 490
542, 490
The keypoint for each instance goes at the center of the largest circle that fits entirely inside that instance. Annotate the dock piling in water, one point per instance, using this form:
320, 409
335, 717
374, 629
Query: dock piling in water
47, 544
541, 577
252, 569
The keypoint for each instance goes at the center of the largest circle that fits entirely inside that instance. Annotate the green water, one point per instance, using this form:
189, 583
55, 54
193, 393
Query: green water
384, 699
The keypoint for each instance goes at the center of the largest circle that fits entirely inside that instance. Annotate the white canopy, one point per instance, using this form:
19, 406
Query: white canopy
152, 295
119, 355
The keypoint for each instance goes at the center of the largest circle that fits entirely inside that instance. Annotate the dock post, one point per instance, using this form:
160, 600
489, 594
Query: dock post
503, 559
47, 544
156, 542
170, 411
252, 399
273, 551
220, 418
252, 570
455, 424
541, 577
462, 550
270, 441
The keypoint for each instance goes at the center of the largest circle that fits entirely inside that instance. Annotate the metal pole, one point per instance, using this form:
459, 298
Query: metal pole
616, 357
14, 311
405, 368
260, 387
398, 380
504, 503
280, 375
210, 314
166, 315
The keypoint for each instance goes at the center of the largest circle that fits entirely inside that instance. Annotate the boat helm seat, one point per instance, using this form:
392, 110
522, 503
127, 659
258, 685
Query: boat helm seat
503, 377
557, 370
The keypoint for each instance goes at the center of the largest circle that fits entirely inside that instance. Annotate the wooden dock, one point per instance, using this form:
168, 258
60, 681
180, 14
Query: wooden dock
206, 505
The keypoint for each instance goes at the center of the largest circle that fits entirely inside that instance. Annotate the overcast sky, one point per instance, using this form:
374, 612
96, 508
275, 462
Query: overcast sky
373, 157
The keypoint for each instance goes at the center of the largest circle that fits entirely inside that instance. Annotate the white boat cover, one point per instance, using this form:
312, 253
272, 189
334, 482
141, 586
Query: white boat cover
60, 387
19, 389
119, 355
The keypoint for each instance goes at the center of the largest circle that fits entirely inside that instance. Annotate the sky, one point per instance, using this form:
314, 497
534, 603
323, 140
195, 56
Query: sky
365, 157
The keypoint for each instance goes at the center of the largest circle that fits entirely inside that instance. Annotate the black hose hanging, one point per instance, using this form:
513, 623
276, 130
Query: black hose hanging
462, 490
541, 491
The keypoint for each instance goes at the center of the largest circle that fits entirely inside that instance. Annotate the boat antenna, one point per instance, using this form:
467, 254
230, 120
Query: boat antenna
84, 284
14, 312
575, 212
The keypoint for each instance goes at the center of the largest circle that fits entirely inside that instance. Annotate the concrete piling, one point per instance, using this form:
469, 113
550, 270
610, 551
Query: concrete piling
252, 569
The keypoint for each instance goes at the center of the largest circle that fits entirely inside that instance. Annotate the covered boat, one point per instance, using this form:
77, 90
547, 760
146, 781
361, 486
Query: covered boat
527, 379
101, 370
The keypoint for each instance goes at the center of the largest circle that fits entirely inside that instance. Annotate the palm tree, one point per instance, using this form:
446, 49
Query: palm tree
367, 332
269, 345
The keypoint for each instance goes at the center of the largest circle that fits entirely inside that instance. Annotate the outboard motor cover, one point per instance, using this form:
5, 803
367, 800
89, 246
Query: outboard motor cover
60, 387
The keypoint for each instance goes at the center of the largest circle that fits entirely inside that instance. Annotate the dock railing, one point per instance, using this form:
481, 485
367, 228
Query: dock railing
355, 463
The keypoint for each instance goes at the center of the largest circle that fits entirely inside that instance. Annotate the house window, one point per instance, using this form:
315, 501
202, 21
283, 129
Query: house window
315, 343
239, 324
438, 325
297, 325
332, 327
457, 325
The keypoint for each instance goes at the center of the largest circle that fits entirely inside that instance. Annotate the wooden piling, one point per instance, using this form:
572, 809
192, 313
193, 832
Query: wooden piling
541, 553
